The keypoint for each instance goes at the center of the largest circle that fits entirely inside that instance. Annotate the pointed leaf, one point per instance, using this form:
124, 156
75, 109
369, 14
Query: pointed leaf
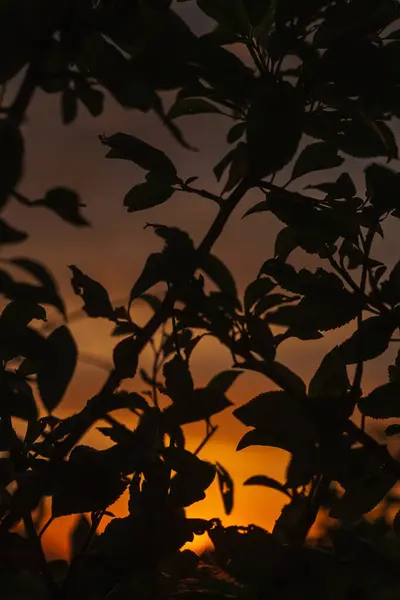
267, 482
55, 374
256, 290
129, 147
178, 379
331, 379
383, 402
261, 337
369, 341
41, 273
66, 203
223, 381
192, 106
147, 195
215, 269
316, 157
126, 357
203, 404
96, 300
277, 412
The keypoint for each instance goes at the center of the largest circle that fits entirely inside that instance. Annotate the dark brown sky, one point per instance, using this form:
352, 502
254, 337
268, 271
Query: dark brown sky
114, 249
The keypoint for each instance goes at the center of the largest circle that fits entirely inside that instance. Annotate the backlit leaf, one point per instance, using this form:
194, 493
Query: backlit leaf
331, 379
269, 482
223, 381
55, 373
316, 157
125, 356
257, 290
369, 341
192, 106
277, 412
96, 300
129, 147
203, 404
147, 195
383, 402
215, 269
66, 203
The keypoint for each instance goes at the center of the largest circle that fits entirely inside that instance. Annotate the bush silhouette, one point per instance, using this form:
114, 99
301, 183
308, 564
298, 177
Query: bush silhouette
322, 88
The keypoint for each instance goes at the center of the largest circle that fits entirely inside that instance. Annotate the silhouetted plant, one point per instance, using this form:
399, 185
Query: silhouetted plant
323, 85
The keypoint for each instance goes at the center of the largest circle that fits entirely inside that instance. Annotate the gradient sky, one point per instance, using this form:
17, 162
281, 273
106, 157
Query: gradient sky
114, 249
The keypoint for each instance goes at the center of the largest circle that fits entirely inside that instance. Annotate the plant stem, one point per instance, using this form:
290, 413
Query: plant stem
161, 315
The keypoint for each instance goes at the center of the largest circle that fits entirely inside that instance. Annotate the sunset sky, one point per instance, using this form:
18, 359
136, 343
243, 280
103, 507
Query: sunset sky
115, 247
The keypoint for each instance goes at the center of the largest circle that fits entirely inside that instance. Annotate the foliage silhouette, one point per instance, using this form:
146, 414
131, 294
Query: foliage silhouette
323, 86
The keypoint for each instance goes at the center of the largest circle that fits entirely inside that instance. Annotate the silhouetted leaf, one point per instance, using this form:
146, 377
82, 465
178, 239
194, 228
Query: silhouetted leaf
285, 243
362, 496
193, 476
120, 400
343, 187
277, 372
178, 380
191, 106
262, 437
331, 379
129, 147
238, 167
226, 487
96, 300
223, 381
79, 535
383, 187
223, 164
215, 269
392, 429
151, 274
55, 373
12, 164
9, 235
125, 356
277, 412
267, 482
316, 157
147, 195
369, 341
257, 290
66, 203
17, 315
236, 132
203, 404
383, 402
85, 483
